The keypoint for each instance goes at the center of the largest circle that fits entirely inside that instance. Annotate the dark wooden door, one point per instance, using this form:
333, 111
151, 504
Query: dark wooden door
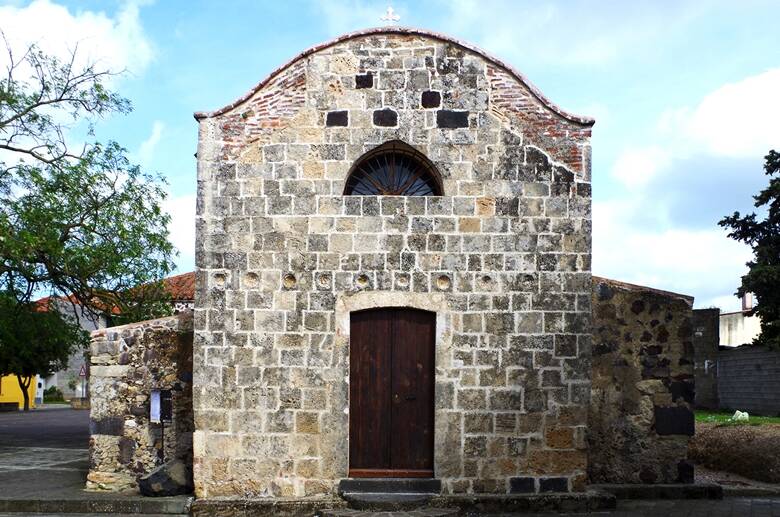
391, 393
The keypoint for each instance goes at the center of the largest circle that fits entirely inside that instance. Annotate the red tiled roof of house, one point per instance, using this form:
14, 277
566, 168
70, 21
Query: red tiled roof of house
181, 287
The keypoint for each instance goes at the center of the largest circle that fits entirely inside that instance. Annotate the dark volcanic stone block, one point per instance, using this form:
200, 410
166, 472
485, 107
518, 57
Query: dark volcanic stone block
684, 389
521, 486
385, 118
452, 119
172, 478
364, 81
126, 450
113, 426
674, 420
685, 471
553, 485
337, 118
431, 99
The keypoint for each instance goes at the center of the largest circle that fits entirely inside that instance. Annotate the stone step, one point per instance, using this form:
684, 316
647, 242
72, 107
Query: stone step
422, 512
390, 485
386, 502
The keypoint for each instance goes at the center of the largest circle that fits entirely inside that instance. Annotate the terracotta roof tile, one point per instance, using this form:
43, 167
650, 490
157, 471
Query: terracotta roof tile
181, 287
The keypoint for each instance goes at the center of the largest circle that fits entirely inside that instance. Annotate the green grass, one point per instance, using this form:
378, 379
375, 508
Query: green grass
724, 417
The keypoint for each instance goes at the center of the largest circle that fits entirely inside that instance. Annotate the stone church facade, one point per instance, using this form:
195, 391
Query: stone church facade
389, 177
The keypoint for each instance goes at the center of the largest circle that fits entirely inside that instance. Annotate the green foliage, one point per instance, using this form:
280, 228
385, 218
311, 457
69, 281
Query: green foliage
724, 418
35, 340
763, 235
52, 394
84, 224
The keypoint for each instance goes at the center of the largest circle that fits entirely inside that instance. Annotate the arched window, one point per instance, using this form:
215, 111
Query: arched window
393, 169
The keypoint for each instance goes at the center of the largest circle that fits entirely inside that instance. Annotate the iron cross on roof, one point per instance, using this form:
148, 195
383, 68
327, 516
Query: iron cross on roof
390, 16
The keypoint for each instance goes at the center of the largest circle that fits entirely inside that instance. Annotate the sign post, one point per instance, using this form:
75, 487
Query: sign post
83, 375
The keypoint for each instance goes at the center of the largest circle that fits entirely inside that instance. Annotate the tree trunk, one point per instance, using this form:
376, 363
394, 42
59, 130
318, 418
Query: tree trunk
25, 393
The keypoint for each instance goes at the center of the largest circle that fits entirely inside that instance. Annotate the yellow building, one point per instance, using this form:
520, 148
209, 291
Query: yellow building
11, 392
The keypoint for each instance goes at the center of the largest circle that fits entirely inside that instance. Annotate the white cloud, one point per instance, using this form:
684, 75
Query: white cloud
115, 43
737, 120
636, 167
149, 146
635, 237
703, 262
182, 228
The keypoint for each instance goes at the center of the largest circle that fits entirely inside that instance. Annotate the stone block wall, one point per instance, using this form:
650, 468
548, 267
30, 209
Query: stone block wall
641, 414
503, 258
127, 362
706, 340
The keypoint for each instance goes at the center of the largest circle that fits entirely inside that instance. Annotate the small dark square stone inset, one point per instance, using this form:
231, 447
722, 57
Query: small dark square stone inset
685, 472
521, 486
673, 420
553, 485
431, 99
452, 119
364, 81
112, 425
385, 118
337, 119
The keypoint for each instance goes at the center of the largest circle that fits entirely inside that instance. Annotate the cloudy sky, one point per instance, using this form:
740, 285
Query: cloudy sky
685, 96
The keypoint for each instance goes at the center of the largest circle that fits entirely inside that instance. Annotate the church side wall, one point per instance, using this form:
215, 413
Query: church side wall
641, 415
503, 258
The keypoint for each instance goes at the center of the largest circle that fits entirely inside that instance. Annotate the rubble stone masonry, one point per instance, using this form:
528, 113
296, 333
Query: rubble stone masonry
502, 258
127, 362
641, 411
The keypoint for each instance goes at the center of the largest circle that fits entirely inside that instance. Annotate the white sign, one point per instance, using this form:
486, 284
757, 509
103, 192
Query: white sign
154, 407
83, 371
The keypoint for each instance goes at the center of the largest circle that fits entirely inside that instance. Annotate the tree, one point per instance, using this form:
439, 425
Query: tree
35, 340
763, 235
82, 223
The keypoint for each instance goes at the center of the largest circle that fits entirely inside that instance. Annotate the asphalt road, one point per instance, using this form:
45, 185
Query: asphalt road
58, 427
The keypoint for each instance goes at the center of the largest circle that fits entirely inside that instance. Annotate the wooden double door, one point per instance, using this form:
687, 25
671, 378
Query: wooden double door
391, 390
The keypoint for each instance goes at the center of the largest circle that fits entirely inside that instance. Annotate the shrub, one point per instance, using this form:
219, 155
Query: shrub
52, 394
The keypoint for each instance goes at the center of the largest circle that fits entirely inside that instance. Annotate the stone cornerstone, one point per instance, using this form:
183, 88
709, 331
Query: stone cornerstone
283, 256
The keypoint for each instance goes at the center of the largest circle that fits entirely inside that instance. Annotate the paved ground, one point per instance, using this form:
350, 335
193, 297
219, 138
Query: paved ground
43, 451
729, 507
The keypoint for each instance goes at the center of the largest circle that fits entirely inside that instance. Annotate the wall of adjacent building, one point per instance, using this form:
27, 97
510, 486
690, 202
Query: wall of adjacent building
641, 415
737, 328
705, 344
11, 392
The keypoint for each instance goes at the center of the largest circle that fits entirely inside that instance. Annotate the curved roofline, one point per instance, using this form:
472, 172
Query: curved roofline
578, 119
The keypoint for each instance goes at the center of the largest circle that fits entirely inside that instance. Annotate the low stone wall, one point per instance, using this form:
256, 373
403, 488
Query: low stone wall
640, 416
127, 362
